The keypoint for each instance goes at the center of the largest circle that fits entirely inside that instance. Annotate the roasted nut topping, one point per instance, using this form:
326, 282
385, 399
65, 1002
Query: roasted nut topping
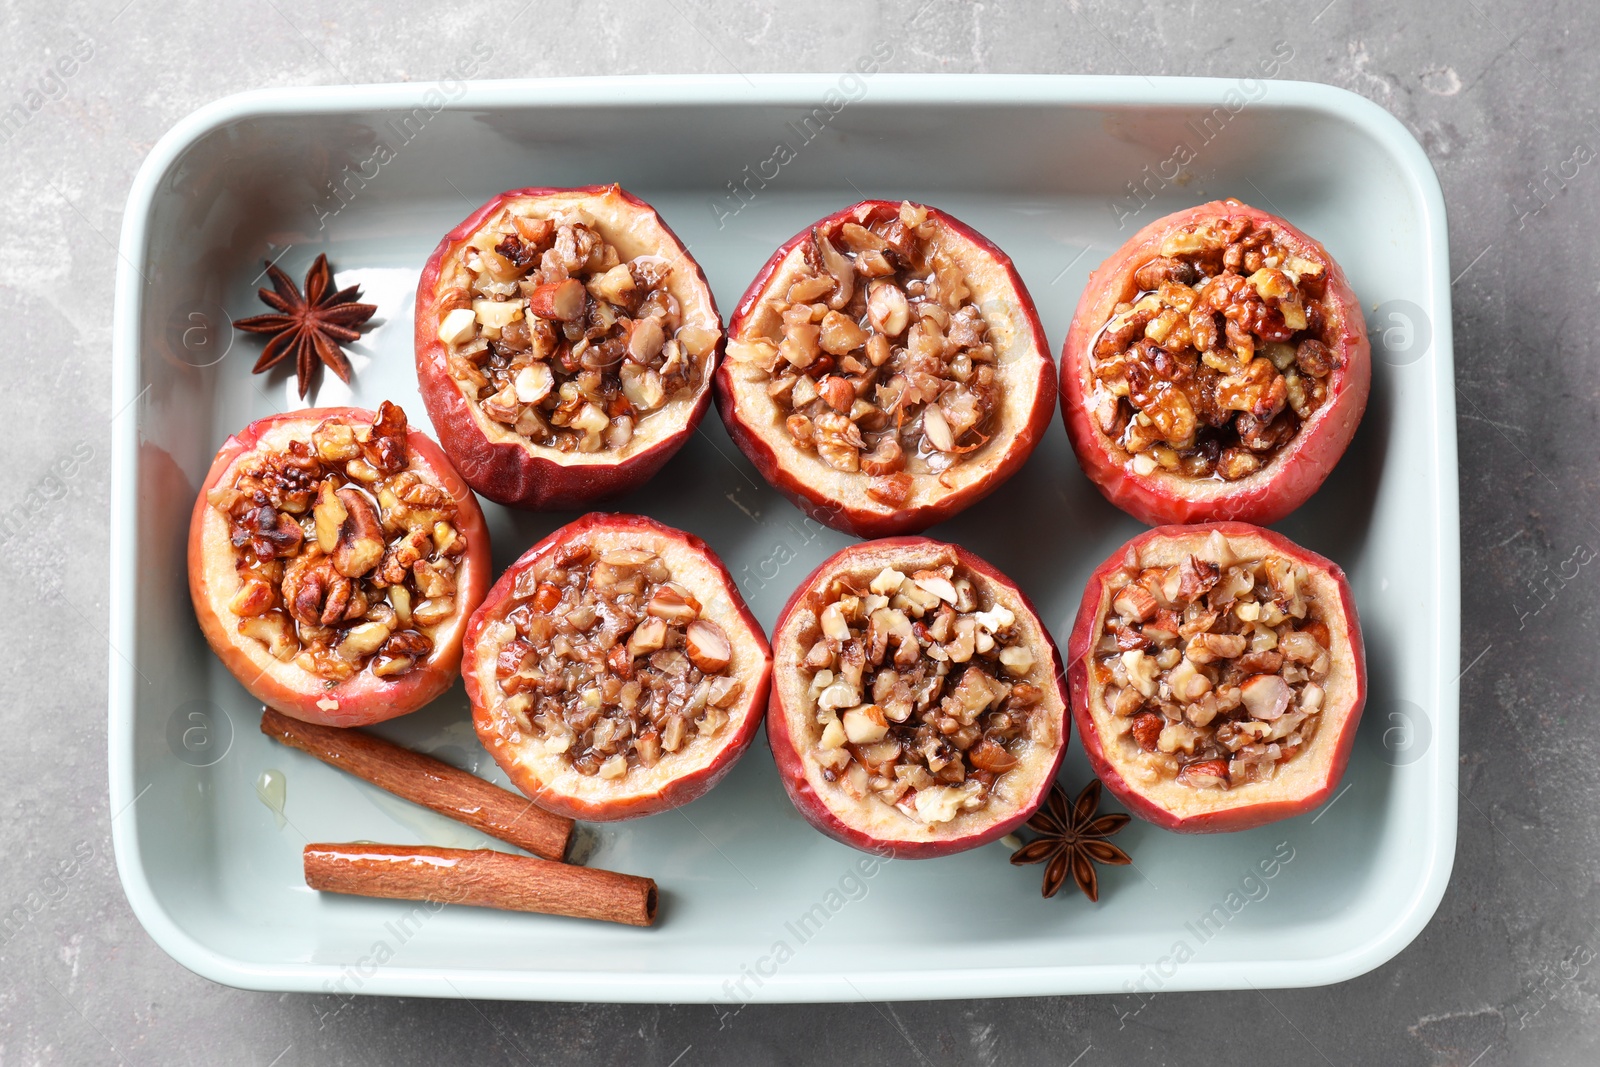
360, 541
346, 557
1213, 368
1215, 666
919, 691
879, 360
610, 661
550, 333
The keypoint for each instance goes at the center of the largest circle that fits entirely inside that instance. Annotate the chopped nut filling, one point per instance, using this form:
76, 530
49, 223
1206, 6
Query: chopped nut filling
1222, 356
611, 662
1215, 666
882, 363
919, 691
346, 556
549, 332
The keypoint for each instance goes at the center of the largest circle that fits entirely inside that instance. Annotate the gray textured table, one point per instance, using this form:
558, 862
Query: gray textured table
1502, 96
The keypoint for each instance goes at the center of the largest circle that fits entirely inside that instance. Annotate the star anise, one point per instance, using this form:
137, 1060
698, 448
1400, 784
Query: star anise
311, 324
1073, 839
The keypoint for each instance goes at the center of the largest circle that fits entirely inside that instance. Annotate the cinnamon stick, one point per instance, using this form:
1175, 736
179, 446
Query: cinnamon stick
429, 782
480, 877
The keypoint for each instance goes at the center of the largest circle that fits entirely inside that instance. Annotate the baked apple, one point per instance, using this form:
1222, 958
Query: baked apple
886, 369
918, 705
565, 342
614, 670
1217, 676
334, 557
1216, 368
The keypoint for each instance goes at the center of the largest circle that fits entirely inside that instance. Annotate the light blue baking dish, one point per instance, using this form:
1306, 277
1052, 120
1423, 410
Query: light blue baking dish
1058, 172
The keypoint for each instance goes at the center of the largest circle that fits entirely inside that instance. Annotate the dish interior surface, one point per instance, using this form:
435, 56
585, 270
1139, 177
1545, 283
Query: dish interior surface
755, 904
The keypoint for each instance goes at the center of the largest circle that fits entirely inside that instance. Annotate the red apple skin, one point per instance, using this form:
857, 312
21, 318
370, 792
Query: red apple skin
791, 768
1224, 820
364, 698
862, 522
504, 471
1296, 471
678, 791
